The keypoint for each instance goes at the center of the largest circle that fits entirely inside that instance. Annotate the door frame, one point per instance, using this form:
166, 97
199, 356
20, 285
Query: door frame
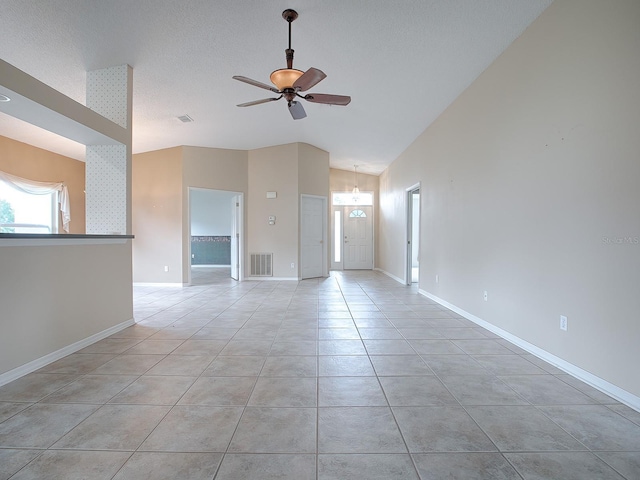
408, 246
339, 266
237, 221
325, 256
187, 266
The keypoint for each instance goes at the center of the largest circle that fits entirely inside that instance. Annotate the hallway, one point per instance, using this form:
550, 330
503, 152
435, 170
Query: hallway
352, 377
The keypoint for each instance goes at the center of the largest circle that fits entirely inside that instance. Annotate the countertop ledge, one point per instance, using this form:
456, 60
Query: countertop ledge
60, 236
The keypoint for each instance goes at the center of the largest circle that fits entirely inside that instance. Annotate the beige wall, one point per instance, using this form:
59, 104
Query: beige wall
525, 177
274, 169
161, 182
157, 216
313, 170
54, 295
34, 163
216, 169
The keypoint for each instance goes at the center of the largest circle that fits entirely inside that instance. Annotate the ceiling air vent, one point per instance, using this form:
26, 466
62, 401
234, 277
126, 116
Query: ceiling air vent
185, 119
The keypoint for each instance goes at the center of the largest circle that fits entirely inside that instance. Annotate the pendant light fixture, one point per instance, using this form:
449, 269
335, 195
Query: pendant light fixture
356, 190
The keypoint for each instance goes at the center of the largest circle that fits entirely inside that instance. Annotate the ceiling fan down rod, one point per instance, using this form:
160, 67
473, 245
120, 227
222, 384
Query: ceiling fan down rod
289, 15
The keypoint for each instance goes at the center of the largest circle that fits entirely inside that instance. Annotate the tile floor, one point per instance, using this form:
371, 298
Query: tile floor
351, 377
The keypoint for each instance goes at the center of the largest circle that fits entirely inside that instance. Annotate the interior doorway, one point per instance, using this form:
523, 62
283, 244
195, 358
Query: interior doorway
215, 235
313, 242
413, 235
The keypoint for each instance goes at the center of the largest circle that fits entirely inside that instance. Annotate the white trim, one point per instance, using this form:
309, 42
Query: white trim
34, 365
408, 211
596, 382
147, 284
399, 280
270, 279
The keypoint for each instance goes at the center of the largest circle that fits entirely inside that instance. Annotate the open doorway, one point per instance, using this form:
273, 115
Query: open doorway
215, 234
413, 235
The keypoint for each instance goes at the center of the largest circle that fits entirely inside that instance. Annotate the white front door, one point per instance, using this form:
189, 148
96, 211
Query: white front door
235, 237
312, 232
358, 238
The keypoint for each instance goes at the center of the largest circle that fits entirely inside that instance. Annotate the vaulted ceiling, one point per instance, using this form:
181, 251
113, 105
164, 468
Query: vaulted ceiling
402, 62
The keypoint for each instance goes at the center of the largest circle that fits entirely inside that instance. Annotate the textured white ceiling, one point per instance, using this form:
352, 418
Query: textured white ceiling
402, 62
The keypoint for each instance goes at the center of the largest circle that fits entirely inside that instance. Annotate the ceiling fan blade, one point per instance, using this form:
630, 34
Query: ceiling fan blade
296, 110
328, 99
255, 83
311, 77
258, 102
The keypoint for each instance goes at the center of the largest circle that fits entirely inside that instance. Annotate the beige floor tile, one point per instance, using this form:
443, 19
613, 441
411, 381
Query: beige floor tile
128, 365
194, 428
290, 366
515, 428
219, 391
267, 467
170, 466
358, 430
369, 466
351, 342
467, 466
114, 427
95, 389
284, 392
187, 365
154, 390
12, 460
344, 366
350, 392
235, 366
275, 430
441, 429
40, 425
565, 465
34, 387
73, 465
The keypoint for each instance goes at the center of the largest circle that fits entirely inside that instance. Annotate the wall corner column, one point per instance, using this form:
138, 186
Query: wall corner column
108, 167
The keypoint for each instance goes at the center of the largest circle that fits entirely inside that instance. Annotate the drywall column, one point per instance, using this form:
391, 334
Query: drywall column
108, 167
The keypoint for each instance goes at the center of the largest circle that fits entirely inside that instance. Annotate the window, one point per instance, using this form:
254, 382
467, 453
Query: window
357, 214
337, 238
22, 212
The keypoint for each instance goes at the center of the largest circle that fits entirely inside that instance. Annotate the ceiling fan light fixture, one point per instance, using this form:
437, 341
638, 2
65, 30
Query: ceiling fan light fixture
285, 77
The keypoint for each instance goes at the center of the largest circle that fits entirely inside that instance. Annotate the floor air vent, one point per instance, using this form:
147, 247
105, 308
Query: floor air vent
262, 265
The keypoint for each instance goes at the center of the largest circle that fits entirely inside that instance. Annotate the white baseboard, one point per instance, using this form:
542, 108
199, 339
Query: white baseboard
34, 365
147, 284
210, 266
397, 279
596, 382
268, 279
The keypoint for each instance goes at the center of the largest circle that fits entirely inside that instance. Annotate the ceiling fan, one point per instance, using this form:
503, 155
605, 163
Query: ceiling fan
289, 82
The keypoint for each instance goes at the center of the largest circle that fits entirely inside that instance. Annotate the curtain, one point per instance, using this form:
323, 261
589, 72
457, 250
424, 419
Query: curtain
43, 188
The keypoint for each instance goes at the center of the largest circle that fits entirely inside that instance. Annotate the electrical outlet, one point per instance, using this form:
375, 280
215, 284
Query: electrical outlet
563, 323
486, 296
193, 255
293, 265
437, 279
166, 268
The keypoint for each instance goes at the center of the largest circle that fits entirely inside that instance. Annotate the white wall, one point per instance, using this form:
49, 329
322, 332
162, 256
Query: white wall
529, 180
210, 212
